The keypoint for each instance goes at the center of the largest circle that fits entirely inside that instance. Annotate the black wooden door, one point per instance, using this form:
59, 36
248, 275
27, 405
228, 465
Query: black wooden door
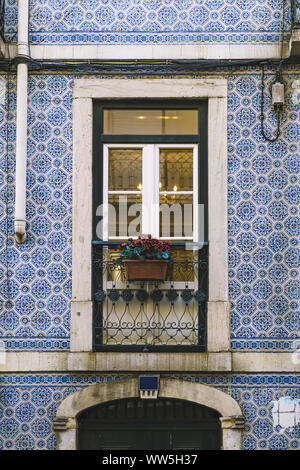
163, 424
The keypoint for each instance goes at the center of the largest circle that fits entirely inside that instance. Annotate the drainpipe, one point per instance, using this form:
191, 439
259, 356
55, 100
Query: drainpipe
21, 124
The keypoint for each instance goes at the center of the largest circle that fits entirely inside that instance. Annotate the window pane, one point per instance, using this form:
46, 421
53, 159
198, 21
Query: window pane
125, 169
150, 121
176, 169
125, 215
176, 216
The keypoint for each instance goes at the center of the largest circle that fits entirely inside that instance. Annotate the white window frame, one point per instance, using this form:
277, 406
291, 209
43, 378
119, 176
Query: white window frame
84, 92
151, 191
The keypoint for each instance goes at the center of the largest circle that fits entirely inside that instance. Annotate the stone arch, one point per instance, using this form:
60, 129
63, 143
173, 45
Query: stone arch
232, 421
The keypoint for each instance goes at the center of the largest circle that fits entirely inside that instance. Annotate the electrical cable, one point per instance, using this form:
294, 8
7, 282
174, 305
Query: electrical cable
136, 65
262, 117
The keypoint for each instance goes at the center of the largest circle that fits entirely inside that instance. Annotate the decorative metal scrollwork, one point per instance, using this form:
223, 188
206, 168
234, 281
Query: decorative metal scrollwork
127, 295
156, 295
172, 295
114, 295
186, 295
99, 296
200, 296
147, 315
142, 295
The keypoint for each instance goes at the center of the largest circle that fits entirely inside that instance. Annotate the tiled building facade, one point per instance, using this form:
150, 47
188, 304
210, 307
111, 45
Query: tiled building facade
71, 40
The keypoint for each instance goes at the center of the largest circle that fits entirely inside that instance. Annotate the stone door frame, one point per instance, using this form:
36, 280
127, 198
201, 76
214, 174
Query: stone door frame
232, 421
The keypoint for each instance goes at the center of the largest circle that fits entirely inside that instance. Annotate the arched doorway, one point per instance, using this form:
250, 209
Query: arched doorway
65, 423
161, 424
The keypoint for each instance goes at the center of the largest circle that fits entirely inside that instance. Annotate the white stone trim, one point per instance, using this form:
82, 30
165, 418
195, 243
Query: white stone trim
218, 324
232, 427
217, 200
156, 88
215, 90
82, 199
159, 51
108, 362
65, 422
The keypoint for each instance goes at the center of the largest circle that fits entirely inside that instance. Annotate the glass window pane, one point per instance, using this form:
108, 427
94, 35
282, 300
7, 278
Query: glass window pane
176, 169
176, 215
125, 215
150, 121
125, 169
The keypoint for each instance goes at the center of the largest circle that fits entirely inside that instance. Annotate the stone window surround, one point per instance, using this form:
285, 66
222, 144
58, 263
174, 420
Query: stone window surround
232, 420
84, 92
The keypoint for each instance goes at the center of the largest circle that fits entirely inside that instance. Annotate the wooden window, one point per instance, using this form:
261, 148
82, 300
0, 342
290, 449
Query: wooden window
150, 163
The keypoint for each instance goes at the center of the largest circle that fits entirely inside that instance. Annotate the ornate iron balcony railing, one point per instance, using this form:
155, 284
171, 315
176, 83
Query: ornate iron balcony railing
150, 316
296, 13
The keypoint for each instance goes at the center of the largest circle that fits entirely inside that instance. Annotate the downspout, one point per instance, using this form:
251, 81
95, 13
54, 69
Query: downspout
21, 121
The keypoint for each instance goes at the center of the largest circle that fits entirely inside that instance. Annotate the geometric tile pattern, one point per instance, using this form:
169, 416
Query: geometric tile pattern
152, 21
35, 278
28, 405
264, 223
256, 394
263, 200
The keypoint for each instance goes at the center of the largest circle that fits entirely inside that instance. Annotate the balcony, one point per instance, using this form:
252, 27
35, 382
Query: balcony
150, 316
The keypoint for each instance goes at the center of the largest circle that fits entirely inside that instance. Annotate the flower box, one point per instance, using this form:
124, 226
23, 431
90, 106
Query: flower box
148, 270
145, 259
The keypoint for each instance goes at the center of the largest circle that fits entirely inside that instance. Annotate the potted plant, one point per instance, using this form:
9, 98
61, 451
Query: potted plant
145, 259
